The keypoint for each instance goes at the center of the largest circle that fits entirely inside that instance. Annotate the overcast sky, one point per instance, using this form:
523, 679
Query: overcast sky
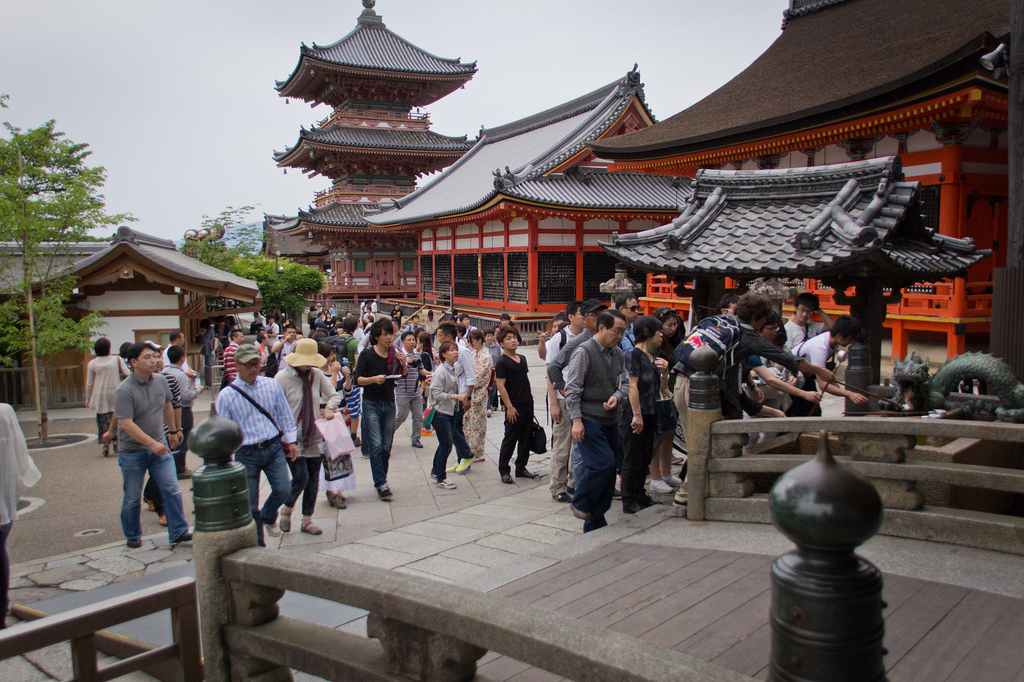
177, 100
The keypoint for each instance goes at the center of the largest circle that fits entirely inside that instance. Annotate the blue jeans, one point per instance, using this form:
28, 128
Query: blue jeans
492, 398
594, 487
462, 450
271, 461
378, 424
444, 425
134, 465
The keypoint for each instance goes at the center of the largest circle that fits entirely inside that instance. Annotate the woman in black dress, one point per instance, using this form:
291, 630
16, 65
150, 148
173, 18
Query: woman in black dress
514, 388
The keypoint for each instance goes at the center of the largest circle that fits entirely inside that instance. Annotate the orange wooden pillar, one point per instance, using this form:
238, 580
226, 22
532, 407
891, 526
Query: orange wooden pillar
532, 271
899, 340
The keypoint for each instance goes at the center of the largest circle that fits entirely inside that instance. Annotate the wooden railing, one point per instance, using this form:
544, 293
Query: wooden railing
80, 626
341, 115
422, 627
957, 298
958, 503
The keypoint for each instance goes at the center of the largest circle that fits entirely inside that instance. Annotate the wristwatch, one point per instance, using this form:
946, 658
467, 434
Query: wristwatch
174, 432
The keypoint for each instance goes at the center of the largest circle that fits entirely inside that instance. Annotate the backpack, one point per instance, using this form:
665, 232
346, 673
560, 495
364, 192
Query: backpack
271, 366
720, 332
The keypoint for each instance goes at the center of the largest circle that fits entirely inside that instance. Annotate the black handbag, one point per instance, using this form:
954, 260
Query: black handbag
538, 438
666, 416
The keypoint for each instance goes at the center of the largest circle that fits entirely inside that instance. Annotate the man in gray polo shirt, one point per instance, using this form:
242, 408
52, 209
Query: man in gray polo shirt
142, 406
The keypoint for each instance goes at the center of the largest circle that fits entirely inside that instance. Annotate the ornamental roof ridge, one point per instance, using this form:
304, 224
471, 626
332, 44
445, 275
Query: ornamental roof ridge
798, 8
127, 234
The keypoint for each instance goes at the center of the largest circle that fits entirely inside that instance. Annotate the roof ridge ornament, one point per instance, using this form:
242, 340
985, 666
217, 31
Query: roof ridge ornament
368, 16
125, 234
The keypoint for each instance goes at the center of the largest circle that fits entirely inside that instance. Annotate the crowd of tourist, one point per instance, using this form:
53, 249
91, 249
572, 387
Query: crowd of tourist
617, 387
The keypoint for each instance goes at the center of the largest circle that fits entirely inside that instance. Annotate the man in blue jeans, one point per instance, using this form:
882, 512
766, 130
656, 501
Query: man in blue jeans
258, 405
376, 370
593, 390
142, 408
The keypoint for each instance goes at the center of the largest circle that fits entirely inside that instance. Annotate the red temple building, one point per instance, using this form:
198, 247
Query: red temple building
862, 79
516, 223
372, 147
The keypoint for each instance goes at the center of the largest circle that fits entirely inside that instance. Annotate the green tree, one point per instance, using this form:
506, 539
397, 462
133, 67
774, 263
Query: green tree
49, 199
284, 285
214, 245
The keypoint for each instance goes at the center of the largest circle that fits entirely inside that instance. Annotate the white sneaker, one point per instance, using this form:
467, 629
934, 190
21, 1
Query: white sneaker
673, 481
446, 484
659, 486
273, 530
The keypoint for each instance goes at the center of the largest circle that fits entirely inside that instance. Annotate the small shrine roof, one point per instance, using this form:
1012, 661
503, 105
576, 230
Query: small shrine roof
596, 188
375, 138
826, 222
816, 72
503, 157
162, 261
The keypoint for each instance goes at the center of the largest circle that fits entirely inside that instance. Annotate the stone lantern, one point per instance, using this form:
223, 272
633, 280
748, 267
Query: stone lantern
621, 284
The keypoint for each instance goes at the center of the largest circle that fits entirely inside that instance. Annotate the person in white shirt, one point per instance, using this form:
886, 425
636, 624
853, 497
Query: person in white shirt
801, 326
178, 339
817, 350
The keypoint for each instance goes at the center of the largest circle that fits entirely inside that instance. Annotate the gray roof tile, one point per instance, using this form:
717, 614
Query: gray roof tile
815, 222
376, 138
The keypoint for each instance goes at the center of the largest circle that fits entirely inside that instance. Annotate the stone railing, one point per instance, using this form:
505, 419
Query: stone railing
418, 628
963, 491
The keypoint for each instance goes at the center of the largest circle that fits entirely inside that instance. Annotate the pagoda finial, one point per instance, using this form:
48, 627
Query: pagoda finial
368, 16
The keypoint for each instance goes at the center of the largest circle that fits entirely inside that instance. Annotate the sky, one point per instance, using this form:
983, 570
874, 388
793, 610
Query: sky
177, 100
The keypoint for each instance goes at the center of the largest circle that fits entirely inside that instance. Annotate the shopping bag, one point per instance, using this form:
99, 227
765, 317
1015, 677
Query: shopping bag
339, 448
428, 416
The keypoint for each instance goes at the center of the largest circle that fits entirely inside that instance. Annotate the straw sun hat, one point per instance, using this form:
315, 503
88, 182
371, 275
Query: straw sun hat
305, 355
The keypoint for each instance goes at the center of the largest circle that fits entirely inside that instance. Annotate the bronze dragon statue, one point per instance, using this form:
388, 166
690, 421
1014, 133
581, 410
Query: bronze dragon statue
915, 390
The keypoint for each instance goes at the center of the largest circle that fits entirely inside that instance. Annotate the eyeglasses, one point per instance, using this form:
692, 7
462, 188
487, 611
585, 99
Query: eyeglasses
635, 308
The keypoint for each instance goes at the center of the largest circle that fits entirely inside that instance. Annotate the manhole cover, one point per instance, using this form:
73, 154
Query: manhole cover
59, 441
89, 532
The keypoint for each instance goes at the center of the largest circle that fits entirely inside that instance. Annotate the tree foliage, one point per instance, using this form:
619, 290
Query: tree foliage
49, 199
237, 248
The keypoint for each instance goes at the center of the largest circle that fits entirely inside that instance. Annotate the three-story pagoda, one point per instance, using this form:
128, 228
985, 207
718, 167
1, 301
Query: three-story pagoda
372, 147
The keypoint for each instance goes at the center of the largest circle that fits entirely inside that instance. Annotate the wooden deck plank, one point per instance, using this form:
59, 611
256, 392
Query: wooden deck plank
725, 632
749, 655
942, 649
1000, 653
694, 619
907, 623
583, 564
628, 604
652, 582
651, 616
598, 587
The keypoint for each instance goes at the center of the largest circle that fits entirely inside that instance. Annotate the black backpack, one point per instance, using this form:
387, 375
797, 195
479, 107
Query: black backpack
720, 332
270, 369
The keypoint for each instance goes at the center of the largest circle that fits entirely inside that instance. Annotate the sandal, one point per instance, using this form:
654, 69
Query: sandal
336, 500
311, 528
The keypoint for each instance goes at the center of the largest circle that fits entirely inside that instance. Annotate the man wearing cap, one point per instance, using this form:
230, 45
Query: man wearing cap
590, 309
142, 408
258, 405
305, 386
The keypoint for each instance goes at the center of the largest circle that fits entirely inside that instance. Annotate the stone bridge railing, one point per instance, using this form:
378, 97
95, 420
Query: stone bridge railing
419, 629
942, 480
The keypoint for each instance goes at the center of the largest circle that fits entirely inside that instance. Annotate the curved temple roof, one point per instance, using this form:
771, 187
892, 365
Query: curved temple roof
425, 141
371, 46
833, 59
505, 158
849, 219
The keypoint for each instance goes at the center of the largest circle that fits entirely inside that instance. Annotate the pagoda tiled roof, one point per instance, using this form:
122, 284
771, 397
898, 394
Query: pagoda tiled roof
599, 189
504, 157
372, 46
827, 222
332, 215
377, 138
904, 51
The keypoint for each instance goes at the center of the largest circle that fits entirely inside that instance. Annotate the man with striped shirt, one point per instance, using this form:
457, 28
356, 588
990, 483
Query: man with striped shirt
229, 354
258, 405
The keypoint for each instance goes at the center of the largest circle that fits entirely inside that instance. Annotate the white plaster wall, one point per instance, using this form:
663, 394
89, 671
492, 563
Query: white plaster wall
640, 225
922, 141
494, 226
428, 245
519, 224
466, 243
132, 300
887, 146
463, 230
496, 241
519, 240
121, 329
602, 224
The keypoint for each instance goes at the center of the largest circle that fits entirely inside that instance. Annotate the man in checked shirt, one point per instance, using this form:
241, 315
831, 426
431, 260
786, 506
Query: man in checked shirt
258, 405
